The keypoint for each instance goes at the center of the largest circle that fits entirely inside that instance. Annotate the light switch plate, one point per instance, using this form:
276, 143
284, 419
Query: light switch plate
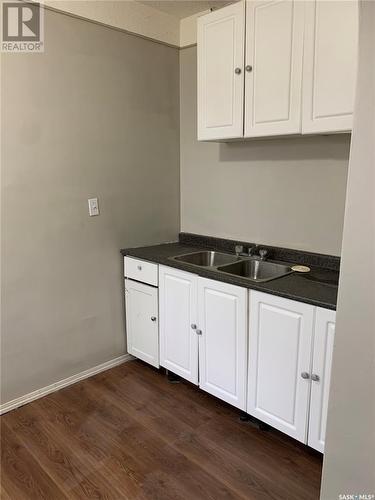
93, 207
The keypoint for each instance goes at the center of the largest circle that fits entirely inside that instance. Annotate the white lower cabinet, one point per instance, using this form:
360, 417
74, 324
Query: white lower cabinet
321, 376
222, 319
178, 316
289, 366
197, 314
267, 355
142, 321
279, 357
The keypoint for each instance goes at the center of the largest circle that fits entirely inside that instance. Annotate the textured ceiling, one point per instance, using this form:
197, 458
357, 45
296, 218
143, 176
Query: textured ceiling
184, 8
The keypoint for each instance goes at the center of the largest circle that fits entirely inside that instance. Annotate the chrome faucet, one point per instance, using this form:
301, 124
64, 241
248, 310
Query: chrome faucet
263, 253
238, 250
251, 252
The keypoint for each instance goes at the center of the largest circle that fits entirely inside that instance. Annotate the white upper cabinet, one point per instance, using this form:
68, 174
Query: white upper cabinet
222, 320
178, 317
142, 325
321, 376
273, 67
330, 65
220, 73
296, 76
280, 337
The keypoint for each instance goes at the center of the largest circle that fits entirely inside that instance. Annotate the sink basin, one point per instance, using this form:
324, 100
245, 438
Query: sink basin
207, 258
256, 270
251, 269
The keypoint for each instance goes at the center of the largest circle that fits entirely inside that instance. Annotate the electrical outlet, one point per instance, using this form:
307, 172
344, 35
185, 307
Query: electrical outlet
93, 206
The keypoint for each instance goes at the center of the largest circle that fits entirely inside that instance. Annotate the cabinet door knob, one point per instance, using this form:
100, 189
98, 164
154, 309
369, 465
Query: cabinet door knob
305, 375
153, 318
193, 326
249, 68
198, 332
237, 71
139, 268
315, 377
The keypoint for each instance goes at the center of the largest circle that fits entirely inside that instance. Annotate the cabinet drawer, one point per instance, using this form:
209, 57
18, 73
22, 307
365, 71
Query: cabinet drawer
140, 270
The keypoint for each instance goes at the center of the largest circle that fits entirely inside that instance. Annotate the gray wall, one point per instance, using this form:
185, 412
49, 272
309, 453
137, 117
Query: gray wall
349, 457
285, 192
96, 115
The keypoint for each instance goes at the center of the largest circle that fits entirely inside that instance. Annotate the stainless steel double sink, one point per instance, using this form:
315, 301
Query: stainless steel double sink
251, 268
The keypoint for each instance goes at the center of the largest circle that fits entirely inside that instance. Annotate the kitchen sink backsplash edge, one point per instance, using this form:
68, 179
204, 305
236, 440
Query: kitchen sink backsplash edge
330, 262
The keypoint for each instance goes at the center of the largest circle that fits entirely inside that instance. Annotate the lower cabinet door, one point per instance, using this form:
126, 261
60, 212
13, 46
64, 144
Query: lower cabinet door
142, 329
222, 320
280, 337
178, 322
321, 376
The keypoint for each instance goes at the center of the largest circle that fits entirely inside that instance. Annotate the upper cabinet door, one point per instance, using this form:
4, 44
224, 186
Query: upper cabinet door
321, 376
273, 62
280, 338
222, 313
330, 65
221, 73
178, 316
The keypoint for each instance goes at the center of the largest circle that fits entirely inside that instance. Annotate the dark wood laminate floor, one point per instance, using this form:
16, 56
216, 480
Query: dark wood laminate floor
129, 433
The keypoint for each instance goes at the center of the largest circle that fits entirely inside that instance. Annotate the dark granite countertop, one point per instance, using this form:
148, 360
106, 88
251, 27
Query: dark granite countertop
319, 287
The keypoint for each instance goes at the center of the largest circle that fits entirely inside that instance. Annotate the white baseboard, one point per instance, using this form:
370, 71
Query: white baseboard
39, 393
